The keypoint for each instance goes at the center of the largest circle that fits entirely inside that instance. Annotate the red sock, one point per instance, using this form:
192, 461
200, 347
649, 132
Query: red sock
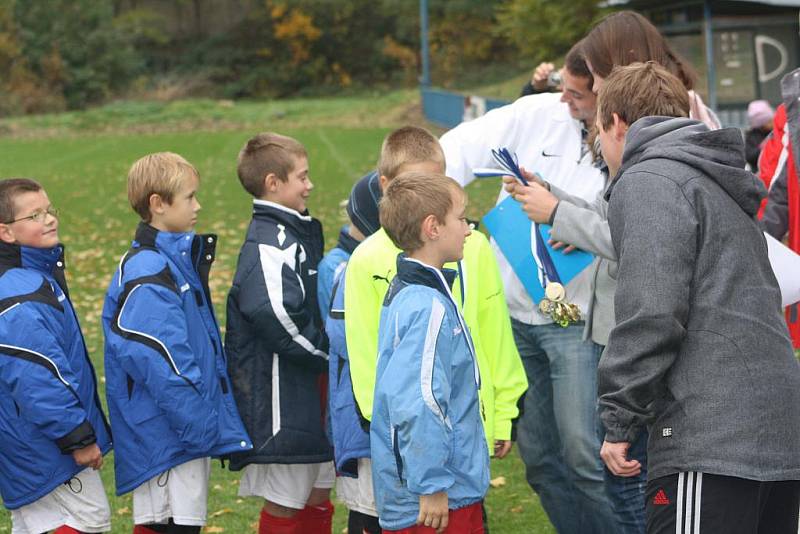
64, 529
144, 529
317, 519
270, 524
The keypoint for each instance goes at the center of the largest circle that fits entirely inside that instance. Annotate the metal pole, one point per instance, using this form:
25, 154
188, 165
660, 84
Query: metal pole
711, 70
425, 79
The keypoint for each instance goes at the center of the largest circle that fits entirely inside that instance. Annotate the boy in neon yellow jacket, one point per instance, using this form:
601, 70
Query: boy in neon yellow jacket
478, 289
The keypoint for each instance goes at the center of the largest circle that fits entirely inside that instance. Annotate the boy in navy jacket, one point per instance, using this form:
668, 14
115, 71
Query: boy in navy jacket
166, 381
277, 348
52, 428
430, 464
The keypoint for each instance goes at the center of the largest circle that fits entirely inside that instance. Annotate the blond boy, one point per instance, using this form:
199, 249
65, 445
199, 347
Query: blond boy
168, 392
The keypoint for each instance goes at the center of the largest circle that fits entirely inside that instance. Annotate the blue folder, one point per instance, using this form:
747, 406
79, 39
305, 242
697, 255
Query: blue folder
510, 227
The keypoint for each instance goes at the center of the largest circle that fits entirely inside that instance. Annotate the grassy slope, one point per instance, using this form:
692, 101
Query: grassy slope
82, 159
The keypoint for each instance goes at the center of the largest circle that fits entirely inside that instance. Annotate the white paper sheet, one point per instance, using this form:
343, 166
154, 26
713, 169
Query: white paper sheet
786, 265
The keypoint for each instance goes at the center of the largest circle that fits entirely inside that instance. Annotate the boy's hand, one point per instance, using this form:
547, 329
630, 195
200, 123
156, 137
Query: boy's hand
433, 511
89, 456
502, 447
615, 455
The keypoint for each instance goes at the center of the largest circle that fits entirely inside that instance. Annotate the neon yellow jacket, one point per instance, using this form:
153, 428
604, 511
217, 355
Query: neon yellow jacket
370, 270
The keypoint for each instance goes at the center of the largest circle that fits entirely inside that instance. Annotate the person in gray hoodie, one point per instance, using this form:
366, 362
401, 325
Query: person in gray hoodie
700, 354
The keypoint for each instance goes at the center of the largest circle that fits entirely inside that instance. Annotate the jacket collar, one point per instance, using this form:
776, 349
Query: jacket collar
347, 242
413, 271
44, 260
287, 216
167, 242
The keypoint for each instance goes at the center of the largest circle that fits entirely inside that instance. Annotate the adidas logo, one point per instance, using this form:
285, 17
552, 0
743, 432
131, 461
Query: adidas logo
661, 498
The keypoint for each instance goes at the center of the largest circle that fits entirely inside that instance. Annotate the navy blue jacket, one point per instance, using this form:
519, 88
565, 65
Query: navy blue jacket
48, 389
167, 387
277, 348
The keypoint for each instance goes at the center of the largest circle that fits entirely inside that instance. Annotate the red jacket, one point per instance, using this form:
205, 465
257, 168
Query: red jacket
780, 211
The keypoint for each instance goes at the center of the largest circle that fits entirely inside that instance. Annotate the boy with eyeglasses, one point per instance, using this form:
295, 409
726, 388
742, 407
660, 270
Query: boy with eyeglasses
53, 433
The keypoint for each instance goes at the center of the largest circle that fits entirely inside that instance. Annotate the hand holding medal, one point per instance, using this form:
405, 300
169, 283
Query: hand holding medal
554, 304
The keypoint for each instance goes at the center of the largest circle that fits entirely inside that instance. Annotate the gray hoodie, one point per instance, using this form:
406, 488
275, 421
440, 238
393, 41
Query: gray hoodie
700, 353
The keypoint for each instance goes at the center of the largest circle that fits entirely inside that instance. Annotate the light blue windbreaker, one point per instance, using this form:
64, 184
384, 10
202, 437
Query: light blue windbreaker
426, 433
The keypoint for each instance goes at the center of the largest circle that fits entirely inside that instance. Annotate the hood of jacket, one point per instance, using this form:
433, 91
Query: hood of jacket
717, 154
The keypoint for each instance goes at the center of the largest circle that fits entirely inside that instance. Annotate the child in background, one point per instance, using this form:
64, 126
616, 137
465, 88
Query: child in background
276, 345
53, 433
351, 441
478, 290
430, 463
362, 210
167, 388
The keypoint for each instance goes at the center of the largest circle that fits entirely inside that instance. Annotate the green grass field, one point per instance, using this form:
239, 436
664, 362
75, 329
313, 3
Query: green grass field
82, 160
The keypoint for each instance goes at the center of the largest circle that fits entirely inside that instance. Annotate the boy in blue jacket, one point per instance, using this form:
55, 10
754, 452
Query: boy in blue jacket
277, 347
52, 428
350, 439
167, 387
430, 464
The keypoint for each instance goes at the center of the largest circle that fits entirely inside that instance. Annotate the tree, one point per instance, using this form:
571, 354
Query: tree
545, 29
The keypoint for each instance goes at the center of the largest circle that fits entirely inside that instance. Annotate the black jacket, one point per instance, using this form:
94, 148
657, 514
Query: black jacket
276, 345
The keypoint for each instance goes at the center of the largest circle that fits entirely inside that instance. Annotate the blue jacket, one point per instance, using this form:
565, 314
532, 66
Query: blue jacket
350, 440
48, 389
426, 432
276, 345
167, 388
329, 268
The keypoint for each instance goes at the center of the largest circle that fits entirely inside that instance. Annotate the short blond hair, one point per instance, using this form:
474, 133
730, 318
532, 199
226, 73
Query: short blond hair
266, 153
406, 145
162, 174
410, 199
641, 90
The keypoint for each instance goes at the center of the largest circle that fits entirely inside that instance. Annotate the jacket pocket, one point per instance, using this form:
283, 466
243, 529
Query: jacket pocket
398, 460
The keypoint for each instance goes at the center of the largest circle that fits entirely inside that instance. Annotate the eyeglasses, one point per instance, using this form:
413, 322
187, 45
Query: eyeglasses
38, 217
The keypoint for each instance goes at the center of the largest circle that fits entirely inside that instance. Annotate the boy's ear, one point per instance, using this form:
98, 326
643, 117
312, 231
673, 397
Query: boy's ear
430, 228
620, 127
7, 233
271, 183
384, 183
156, 203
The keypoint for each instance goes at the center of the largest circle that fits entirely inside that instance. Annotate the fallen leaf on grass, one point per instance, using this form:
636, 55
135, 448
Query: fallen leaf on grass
124, 511
516, 510
497, 482
217, 487
223, 511
213, 529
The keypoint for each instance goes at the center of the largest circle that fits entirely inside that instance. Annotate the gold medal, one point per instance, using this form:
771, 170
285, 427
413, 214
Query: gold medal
545, 306
555, 292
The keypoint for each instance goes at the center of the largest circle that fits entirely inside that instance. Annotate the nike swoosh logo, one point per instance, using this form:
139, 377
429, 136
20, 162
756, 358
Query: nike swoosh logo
312, 272
545, 154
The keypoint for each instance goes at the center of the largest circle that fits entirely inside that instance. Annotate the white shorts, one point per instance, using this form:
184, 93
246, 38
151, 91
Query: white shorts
180, 493
288, 485
357, 493
80, 503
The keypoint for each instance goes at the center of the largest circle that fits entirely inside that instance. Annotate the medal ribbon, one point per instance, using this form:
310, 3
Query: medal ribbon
547, 269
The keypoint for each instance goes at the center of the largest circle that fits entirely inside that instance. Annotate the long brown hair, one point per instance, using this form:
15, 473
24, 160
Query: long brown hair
627, 37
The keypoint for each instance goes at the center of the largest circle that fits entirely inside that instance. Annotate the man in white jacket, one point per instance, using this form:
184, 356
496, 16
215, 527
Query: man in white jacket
557, 434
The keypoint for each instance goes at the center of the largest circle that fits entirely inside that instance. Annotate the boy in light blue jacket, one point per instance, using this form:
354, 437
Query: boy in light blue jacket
430, 463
